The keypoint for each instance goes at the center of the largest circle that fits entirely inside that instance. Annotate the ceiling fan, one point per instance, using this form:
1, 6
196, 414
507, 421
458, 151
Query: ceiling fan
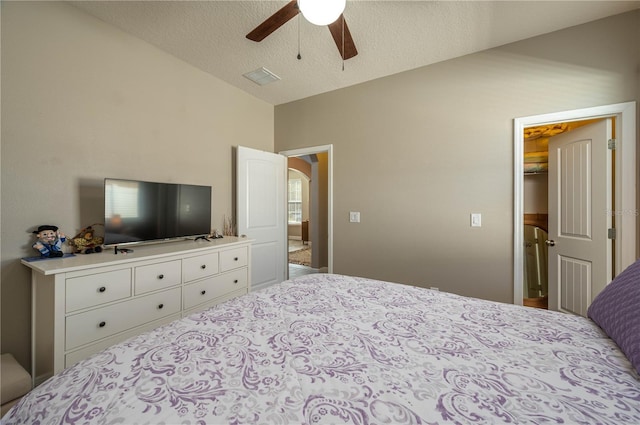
339, 29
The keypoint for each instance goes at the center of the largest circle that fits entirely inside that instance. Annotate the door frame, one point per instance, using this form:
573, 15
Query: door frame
328, 149
626, 213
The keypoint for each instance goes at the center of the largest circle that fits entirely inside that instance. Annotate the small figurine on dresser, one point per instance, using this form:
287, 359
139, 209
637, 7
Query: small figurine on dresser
50, 240
87, 241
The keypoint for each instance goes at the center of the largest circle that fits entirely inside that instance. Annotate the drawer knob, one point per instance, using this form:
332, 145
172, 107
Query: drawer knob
204, 266
102, 289
203, 292
235, 259
102, 324
160, 306
235, 281
161, 276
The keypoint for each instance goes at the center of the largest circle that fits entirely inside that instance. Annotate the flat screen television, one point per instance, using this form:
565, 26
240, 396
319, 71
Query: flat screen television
140, 211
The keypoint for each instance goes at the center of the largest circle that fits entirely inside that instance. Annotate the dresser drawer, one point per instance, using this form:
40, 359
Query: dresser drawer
233, 259
214, 287
95, 289
102, 322
219, 300
82, 353
157, 276
200, 266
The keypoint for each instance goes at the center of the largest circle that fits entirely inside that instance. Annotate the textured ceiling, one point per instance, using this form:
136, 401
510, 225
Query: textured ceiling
391, 36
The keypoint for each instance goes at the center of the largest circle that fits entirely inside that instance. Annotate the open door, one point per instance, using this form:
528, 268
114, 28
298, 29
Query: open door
580, 199
261, 197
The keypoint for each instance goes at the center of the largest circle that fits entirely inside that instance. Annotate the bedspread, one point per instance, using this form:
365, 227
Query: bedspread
336, 349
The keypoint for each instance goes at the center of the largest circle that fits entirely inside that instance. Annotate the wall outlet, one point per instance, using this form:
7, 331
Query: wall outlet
476, 220
354, 217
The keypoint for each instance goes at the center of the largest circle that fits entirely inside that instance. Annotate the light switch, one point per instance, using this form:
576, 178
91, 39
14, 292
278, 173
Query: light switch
354, 217
476, 220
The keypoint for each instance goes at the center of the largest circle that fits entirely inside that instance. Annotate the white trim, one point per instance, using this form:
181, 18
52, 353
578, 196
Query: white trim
625, 203
311, 151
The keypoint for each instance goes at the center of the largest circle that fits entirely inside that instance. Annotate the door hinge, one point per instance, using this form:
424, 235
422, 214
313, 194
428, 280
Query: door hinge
611, 233
612, 144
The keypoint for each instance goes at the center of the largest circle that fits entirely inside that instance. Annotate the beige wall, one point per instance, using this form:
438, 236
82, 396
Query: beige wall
319, 233
417, 152
81, 101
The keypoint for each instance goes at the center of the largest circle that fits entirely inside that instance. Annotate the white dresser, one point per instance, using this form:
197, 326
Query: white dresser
85, 303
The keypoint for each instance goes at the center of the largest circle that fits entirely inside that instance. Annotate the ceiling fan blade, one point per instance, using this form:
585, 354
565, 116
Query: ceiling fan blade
348, 48
275, 21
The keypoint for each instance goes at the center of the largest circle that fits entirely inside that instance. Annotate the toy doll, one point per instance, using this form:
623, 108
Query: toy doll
86, 241
49, 242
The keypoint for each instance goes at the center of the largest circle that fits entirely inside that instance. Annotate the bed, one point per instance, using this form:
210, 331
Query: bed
327, 349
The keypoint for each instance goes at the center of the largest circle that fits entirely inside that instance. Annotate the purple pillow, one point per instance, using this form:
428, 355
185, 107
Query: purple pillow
617, 311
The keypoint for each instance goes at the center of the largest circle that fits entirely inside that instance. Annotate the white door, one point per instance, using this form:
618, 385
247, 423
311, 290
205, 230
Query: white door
261, 201
580, 187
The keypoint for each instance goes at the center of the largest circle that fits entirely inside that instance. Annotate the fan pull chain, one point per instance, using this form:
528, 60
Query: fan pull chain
299, 55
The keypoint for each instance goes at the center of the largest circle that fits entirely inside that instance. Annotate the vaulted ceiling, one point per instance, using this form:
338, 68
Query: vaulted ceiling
390, 36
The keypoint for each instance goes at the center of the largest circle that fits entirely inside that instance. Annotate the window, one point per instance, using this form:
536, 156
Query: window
295, 201
123, 197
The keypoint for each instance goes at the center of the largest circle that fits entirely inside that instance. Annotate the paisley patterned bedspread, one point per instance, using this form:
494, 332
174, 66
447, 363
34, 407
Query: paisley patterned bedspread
335, 349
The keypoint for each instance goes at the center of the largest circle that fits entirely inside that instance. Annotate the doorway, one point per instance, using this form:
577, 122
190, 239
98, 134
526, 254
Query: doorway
299, 207
310, 231
624, 208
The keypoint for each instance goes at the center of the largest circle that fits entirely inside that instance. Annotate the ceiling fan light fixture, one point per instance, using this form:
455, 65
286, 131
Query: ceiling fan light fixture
321, 12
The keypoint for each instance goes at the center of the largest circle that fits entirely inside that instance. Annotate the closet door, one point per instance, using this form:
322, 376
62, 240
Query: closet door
580, 187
